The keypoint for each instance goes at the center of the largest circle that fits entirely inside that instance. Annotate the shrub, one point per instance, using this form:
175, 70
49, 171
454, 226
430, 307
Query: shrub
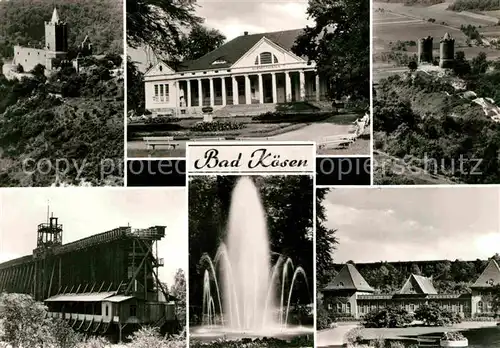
389, 317
453, 336
353, 337
150, 338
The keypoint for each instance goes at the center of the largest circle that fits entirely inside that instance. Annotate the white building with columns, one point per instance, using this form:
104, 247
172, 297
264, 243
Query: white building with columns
246, 72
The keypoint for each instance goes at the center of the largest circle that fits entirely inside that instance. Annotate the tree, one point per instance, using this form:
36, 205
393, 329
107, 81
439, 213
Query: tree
178, 290
159, 24
201, 41
325, 242
26, 324
479, 64
135, 89
339, 43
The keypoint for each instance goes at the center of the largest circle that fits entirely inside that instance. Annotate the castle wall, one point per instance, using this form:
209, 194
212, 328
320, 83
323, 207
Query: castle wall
29, 57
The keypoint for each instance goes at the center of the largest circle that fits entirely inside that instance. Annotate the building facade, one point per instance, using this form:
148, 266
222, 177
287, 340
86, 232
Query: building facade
56, 47
250, 69
349, 295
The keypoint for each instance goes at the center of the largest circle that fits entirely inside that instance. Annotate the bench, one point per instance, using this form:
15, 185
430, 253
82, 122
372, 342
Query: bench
152, 142
208, 139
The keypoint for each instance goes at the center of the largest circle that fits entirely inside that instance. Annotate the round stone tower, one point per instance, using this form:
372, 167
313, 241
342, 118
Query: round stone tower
447, 52
425, 46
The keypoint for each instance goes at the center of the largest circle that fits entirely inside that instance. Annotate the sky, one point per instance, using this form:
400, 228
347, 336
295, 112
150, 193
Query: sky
234, 17
89, 211
414, 224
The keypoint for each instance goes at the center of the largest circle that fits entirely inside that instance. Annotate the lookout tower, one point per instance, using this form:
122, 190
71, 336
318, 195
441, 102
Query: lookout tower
425, 46
49, 234
447, 52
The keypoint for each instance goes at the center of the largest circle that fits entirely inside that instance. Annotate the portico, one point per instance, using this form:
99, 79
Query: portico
260, 88
262, 73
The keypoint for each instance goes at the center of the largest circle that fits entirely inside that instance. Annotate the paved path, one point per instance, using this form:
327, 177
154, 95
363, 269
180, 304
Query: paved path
333, 337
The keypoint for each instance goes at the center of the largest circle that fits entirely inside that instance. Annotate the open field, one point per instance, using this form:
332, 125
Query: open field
390, 27
397, 22
439, 12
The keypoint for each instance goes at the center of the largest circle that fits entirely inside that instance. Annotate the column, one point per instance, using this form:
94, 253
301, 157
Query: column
212, 99
261, 90
275, 92
236, 94
317, 88
177, 94
223, 84
188, 100
288, 87
302, 85
200, 93
248, 97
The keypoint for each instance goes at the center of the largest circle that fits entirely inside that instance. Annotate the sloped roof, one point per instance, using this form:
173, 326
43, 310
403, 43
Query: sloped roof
420, 284
491, 274
349, 279
55, 16
83, 297
233, 50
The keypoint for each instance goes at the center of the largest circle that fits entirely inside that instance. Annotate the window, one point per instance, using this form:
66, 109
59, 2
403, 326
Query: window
107, 310
133, 310
266, 58
480, 306
161, 93
348, 308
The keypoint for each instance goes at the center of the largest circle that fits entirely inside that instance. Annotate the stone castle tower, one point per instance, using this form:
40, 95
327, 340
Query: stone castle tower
447, 52
56, 39
425, 47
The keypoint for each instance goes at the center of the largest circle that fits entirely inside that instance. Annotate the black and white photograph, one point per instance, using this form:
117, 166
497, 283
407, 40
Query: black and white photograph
251, 265
93, 268
291, 70
61, 93
409, 267
436, 80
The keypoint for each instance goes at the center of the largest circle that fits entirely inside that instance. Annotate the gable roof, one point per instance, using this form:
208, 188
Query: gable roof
233, 50
420, 284
490, 274
349, 279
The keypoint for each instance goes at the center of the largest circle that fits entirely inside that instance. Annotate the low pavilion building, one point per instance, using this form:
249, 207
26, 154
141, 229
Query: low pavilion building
350, 296
250, 69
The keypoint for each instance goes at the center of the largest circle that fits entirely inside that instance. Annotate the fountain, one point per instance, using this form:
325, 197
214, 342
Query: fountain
251, 286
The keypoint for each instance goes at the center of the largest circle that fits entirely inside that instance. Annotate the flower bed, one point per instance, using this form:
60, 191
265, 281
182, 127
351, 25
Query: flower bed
278, 117
217, 126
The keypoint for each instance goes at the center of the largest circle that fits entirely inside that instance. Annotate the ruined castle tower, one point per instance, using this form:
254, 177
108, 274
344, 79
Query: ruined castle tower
56, 39
425, 46
447, 52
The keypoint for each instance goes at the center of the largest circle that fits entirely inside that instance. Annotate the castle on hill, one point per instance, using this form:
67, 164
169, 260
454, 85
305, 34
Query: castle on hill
55, 49
446, 51
349, 295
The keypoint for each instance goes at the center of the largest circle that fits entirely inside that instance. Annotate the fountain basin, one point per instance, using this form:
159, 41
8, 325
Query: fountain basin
460, 343
213, 332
